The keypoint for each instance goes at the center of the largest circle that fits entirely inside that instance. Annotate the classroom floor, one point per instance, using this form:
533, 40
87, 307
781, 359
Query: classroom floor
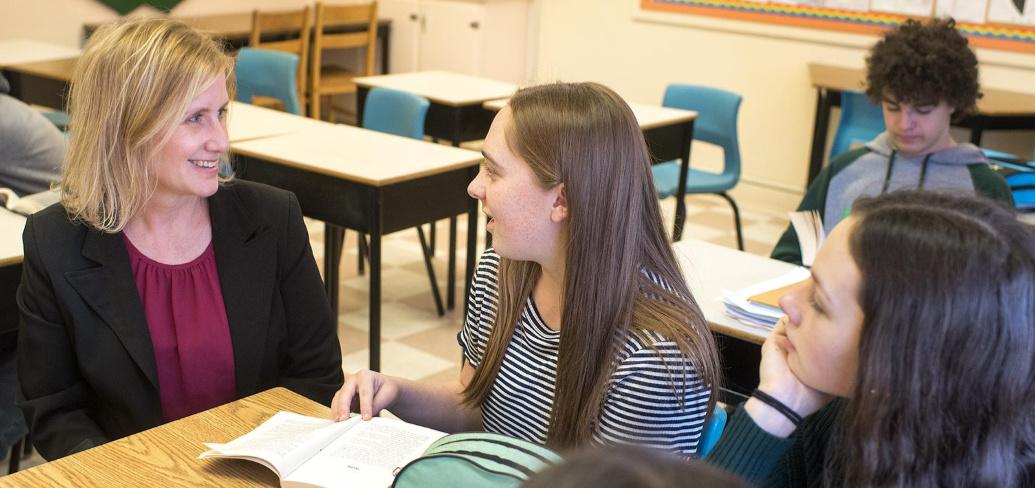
419, 345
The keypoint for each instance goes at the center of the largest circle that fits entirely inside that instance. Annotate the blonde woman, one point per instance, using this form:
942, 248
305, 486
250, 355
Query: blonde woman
157, 287
580, 329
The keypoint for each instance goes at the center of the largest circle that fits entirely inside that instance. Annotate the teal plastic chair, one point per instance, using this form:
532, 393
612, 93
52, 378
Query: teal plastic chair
861, 121
716, 123
402, 114
712, 431
265, 73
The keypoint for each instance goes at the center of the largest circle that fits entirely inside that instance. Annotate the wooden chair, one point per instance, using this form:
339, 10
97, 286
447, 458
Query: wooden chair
333, 80
279, 24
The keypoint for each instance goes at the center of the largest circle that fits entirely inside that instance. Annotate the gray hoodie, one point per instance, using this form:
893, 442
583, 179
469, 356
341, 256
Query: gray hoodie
882, 170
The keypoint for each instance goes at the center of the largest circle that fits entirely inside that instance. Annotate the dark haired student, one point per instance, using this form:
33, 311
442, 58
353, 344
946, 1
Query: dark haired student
906, 360
923, 76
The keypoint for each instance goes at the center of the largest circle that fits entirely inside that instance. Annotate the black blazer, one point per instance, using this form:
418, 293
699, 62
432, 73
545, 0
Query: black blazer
85, 360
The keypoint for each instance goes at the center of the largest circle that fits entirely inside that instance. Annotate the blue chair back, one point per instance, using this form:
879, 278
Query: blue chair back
265, 73
716, 123
395, 112
712, 431
860, 122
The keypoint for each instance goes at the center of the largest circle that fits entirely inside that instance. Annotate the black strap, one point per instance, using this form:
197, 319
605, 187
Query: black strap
778, 406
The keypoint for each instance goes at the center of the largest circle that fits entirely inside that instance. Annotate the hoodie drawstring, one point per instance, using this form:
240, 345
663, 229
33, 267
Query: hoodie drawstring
891, 167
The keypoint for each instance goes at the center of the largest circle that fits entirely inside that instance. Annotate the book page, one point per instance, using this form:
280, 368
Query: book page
366, 455
283, 442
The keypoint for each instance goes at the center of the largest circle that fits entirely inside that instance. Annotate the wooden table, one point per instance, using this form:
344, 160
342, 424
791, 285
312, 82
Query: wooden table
710, 268
248, 122
371, 182
236, 28
37, 71
165, 455
996, 110
669, 133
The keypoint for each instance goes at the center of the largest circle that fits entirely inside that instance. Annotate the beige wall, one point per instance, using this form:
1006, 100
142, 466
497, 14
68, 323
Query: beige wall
601, 41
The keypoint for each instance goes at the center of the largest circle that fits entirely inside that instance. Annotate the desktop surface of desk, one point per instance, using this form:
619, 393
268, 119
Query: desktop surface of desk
20, 51
710, 268
456, 113
165, 456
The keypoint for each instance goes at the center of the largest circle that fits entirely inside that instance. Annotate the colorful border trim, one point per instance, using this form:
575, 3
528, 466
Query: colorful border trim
995, 36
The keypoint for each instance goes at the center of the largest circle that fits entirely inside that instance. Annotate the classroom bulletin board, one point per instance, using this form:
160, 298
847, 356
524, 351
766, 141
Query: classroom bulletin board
997, 24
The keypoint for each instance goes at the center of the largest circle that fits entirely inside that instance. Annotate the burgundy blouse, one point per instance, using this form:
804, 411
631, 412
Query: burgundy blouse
183, 304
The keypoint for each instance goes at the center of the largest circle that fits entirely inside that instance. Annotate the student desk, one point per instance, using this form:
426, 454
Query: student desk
37, 71
11, 227
669, 132
996, 110
456, 112
248, 122
369, 181
165, 455
236, 28
710, 268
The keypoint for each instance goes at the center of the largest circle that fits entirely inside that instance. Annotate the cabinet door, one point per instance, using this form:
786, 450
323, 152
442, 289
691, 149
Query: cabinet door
405, 16
451, 36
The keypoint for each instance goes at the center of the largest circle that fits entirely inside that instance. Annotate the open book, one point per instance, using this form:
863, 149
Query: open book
28, 204
313, 452
809, 227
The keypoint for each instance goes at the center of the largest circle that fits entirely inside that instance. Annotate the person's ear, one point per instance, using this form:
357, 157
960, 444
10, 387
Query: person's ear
559, 212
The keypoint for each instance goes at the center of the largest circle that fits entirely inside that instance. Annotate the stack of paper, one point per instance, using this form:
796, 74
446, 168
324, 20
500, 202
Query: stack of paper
740, 306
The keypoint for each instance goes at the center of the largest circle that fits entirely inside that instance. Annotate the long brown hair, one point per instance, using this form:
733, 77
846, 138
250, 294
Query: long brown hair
585, 136
944, 393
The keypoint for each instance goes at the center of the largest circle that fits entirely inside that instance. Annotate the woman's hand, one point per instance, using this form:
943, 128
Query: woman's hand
776, 378
370, 389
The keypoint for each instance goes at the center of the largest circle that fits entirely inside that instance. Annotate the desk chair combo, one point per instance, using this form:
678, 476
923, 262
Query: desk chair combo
716, 124
332, 79
285, 31
402, 114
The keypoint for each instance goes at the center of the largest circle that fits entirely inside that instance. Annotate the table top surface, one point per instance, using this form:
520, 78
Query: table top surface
248, 122
58, 69
442, 87
360, 155
648, 116
995, 102
165, 455
11, 227
710, 268
19, 51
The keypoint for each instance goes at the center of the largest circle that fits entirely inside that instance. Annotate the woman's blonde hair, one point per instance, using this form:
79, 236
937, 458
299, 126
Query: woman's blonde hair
133, 83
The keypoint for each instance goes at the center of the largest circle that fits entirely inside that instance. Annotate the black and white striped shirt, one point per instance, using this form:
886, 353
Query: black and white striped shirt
642, 403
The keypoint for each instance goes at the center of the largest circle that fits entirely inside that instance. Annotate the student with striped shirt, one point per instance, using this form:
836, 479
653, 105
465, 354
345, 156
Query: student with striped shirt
580, 328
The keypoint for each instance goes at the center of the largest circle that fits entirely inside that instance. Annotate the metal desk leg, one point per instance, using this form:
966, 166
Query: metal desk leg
684, 170
472, 242
824, 102
332, 238
451, 271
375, 283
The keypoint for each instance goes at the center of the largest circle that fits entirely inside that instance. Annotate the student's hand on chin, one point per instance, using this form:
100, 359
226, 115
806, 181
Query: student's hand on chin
370, 391
776, 378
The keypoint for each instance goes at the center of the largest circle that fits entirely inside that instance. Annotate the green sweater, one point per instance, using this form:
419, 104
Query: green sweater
769, 461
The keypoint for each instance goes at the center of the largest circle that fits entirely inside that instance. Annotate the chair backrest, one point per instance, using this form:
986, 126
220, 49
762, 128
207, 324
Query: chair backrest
332, 15
265, 73
712, 431
280, 24
717, 112
395, 112
861, 121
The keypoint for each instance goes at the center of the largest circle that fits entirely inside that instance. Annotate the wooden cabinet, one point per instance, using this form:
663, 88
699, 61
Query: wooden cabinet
488, 38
